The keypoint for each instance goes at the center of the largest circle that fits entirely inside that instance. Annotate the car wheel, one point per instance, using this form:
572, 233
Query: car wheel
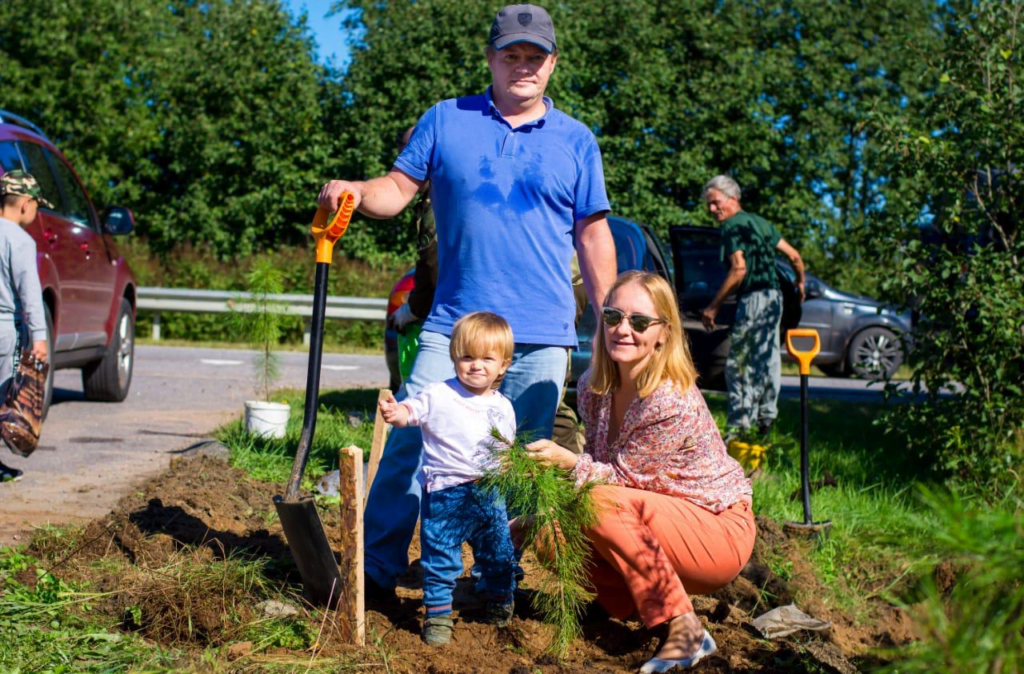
108, 379
875, 353
48, 386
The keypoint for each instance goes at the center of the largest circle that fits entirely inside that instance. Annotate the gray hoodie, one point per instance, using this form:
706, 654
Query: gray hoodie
19, 279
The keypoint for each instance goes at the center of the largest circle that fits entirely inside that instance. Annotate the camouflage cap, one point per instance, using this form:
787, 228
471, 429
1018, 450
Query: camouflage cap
23, 184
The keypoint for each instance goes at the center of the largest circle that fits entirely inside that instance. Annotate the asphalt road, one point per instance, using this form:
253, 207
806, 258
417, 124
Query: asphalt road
90, 454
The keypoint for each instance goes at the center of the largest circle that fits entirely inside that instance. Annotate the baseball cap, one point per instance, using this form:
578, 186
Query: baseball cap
523, 23
22, 184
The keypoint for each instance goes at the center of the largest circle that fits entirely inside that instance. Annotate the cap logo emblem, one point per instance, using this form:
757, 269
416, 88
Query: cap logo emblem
525, 19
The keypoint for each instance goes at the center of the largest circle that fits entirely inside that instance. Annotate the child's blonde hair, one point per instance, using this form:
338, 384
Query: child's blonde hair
479, 333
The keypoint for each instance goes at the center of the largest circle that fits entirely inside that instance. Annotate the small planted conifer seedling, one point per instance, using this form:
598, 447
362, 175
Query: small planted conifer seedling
553, 513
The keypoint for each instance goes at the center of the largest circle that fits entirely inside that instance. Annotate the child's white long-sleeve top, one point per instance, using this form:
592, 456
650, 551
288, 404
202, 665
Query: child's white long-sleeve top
456, 427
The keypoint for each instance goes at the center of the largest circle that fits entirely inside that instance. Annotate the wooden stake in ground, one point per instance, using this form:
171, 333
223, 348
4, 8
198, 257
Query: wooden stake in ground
380, 434
351, 608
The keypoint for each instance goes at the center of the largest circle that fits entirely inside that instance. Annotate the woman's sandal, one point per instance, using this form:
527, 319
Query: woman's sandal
707, 647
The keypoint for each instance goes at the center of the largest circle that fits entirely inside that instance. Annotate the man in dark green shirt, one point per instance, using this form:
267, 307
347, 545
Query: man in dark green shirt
753, 372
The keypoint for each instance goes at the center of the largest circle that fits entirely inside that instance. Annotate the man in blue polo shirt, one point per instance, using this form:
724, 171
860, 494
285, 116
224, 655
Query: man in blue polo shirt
515, 184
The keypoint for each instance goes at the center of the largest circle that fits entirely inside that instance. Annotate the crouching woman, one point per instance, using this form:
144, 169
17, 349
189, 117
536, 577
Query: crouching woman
674, 514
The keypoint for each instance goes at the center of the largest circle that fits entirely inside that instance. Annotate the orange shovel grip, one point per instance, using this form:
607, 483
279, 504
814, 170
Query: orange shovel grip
804, 357
325, 232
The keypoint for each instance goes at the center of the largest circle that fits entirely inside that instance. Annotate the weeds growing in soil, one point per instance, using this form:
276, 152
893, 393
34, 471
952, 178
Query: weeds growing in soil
49, 625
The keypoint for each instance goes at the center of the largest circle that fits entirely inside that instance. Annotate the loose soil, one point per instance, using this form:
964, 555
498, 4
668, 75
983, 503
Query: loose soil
204, 510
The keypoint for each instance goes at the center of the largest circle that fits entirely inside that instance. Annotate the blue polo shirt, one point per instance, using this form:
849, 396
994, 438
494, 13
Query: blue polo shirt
505, 202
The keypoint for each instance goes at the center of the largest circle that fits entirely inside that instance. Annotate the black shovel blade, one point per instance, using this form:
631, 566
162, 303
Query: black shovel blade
318, 567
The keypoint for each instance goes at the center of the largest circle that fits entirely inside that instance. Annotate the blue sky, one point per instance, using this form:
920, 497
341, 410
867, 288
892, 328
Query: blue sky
329, 36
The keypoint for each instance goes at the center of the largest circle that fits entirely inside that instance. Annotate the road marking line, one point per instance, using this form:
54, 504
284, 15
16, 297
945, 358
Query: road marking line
340, 367
215, 361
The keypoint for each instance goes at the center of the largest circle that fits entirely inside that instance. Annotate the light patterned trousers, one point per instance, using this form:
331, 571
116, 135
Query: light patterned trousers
753, 371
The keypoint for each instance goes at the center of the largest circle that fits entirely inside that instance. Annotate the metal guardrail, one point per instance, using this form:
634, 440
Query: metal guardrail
157, 300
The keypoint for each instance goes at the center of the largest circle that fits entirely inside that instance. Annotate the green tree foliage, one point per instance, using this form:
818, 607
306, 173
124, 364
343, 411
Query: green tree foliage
774, 93
959, 157
205, 117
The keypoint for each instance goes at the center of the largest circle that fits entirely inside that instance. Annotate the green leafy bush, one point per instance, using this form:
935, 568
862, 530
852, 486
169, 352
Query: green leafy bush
955, 248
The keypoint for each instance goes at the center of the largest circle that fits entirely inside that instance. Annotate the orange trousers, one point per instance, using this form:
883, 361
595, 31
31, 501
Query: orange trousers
651, 551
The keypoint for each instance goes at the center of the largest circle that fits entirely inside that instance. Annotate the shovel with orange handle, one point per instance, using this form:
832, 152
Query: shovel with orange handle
805, 358
303, 530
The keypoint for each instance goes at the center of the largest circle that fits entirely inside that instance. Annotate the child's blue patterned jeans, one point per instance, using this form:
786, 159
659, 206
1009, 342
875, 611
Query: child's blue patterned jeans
449, 517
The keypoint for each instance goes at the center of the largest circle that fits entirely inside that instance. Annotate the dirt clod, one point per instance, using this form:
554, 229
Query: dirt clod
239, 650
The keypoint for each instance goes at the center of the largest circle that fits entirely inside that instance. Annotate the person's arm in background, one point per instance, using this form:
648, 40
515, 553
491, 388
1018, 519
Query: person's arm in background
797, 262
377, 198
595, 249
733, 279
26, 285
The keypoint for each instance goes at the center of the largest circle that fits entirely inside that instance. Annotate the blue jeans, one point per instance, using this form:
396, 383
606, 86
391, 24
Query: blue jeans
533, 383
455, 515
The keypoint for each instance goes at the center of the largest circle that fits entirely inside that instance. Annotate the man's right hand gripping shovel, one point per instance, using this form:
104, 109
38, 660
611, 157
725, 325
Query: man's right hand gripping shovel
330, 198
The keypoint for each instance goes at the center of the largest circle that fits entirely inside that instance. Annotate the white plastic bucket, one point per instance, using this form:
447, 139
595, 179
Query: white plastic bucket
265, 419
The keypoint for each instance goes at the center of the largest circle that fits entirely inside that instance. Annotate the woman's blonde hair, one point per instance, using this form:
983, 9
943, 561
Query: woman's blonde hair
481, 332
670, 361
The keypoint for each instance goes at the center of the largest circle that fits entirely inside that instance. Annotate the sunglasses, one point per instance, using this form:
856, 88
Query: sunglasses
612, 317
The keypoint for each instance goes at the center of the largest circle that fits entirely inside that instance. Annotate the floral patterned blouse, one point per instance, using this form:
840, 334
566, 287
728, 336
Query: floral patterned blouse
668, 443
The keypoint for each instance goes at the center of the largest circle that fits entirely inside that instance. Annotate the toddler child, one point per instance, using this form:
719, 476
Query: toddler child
456, 417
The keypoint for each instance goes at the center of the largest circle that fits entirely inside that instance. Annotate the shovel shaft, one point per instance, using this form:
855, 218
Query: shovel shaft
805, 468
316, 352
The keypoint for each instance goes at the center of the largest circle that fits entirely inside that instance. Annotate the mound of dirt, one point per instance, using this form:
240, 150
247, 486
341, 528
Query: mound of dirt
203, 509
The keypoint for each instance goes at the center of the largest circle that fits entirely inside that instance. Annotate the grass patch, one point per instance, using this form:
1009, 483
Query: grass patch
49, 625
179, 616
344, 418
878, 521
793, 370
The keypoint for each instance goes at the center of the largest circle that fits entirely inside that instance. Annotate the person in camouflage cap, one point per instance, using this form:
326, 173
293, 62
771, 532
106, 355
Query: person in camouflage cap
22, 184
20, 198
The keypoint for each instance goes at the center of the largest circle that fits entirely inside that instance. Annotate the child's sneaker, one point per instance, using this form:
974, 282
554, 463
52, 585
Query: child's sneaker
500, 614
437, 631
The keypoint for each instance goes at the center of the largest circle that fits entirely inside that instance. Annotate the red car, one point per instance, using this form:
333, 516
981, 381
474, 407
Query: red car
88, 288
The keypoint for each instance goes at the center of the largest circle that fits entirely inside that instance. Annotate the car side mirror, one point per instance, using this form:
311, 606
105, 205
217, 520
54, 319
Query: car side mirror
118, 220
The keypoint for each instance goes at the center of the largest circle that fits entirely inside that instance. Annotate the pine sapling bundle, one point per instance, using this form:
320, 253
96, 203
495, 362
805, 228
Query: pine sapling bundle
553, 514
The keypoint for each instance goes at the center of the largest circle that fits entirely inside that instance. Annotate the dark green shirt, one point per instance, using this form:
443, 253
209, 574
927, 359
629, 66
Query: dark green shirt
757, 238
421, 297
